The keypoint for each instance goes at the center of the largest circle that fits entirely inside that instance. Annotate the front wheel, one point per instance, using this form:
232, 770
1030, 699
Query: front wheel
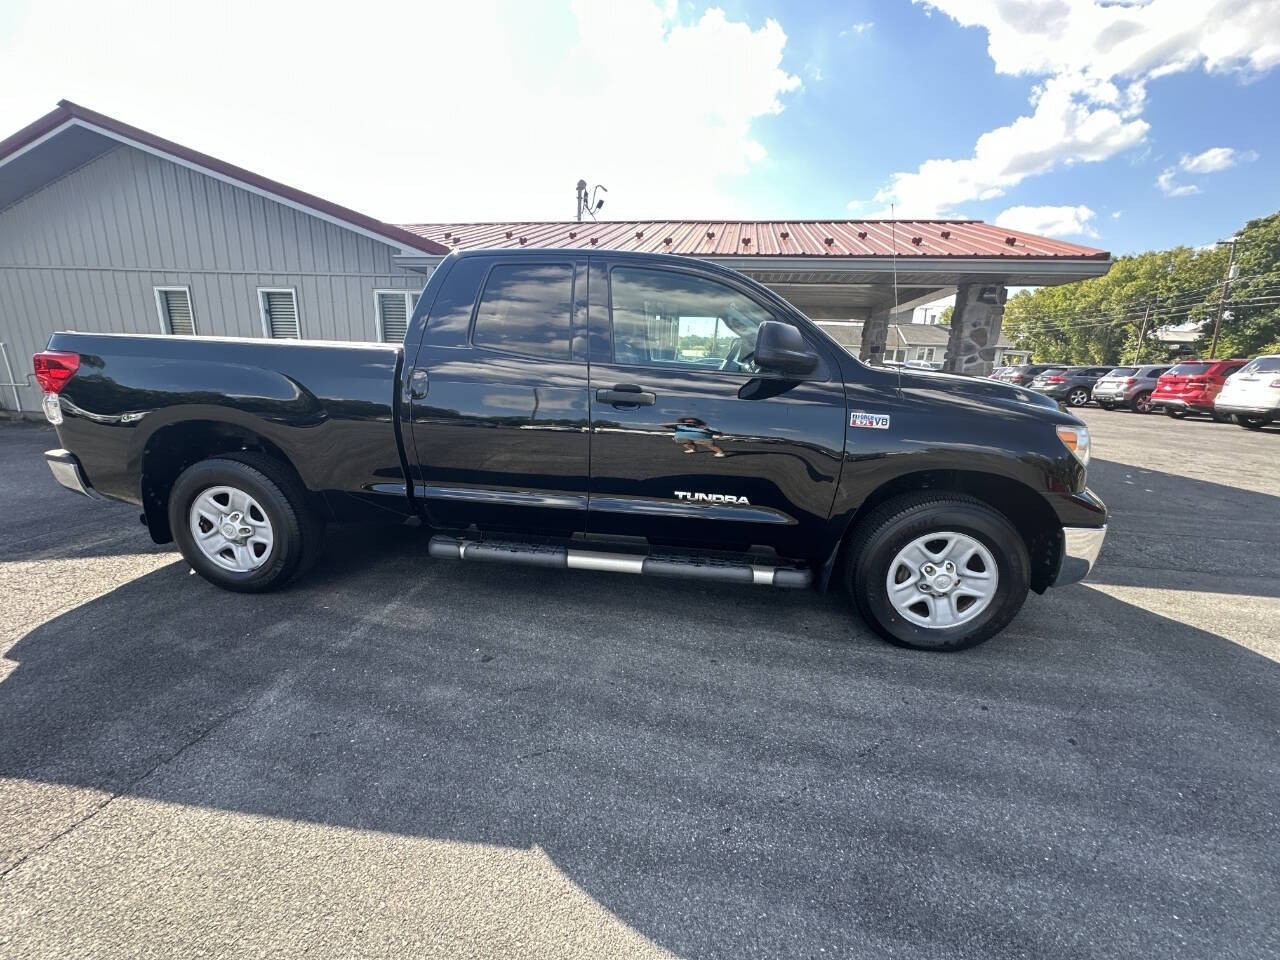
936, 571
1142, 403
1078, 397
244, 522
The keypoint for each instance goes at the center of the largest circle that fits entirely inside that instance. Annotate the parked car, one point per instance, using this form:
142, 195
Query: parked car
1070, 385
1251, 396
996, 373
1129, 387
1023, 374
1190, 386
524, 409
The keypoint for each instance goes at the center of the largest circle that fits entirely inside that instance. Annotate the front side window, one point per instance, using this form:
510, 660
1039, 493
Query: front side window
526, 309
670, 319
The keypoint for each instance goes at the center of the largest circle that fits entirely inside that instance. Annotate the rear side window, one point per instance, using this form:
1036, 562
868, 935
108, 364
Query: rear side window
1157, 372
526, 309
1188, 369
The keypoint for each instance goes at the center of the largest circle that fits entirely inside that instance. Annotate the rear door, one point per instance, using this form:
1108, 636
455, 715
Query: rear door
690, 442
498, 397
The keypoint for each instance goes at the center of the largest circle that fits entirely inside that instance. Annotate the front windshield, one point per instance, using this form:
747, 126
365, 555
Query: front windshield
1262, 365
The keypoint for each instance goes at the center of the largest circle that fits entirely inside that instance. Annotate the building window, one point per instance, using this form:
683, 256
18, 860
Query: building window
174, 305
392, 310
279, 313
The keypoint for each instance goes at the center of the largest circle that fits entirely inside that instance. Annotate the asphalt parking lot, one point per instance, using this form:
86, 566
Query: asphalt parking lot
415, 758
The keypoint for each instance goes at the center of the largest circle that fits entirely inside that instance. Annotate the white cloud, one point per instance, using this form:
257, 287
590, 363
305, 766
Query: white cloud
1170, 188
857, 29
1116, 214
1215, 159
1063, 221
1096, 58
490, 109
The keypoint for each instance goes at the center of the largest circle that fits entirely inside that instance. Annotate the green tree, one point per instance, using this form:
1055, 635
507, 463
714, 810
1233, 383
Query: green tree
1251, 317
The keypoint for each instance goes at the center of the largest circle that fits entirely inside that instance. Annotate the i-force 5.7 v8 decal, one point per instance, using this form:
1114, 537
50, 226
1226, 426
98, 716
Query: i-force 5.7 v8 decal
876, 421
712, 497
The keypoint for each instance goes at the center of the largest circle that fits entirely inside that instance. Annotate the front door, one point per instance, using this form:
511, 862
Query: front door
690, 441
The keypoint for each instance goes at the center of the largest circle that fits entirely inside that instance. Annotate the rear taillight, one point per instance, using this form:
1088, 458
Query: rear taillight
1130, 382
1055, 379
54, 369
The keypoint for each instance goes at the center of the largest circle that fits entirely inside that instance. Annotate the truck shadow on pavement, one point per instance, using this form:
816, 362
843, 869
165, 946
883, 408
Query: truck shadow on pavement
728, 772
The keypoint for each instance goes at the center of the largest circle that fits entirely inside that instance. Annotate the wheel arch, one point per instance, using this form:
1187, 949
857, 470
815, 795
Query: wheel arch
1029, 512
175, 446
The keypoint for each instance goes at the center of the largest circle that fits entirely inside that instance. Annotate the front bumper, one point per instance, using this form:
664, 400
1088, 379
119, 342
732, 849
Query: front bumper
1080, 549
67, 471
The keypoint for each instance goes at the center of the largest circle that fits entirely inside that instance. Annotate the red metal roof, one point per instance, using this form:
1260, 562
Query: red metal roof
66, 111
766, 238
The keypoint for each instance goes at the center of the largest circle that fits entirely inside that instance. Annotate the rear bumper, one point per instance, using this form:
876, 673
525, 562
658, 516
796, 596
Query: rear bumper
1080, 549
1248, 411
1203, 405
67, 471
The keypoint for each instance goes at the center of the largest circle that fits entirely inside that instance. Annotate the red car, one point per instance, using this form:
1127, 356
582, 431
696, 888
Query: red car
1190, 386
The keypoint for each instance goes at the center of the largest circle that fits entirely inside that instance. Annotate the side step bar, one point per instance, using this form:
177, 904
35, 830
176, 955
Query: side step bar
654, 564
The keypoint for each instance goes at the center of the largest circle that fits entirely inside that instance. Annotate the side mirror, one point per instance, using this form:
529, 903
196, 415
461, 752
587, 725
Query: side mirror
781, 349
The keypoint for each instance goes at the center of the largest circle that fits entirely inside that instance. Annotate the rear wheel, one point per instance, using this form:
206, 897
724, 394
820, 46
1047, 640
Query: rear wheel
1078, 397
937, 571
244, 522
1106, 405
1176, 414
1250, 423
1142, 403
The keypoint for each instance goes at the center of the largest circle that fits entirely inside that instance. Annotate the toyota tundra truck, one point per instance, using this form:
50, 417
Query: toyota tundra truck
607, 411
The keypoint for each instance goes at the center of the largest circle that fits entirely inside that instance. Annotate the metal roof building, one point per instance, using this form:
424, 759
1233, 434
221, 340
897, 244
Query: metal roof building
105, 226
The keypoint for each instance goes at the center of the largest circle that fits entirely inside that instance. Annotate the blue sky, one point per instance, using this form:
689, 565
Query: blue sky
1125, 125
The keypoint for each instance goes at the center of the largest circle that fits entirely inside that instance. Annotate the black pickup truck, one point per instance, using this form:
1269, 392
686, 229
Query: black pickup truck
602, 411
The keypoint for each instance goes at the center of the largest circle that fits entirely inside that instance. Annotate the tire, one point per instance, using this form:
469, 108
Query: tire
279, 512
1106, 405
1078, 397
1141, 403
1250, 423
893, 527
1176, 414
1220, 417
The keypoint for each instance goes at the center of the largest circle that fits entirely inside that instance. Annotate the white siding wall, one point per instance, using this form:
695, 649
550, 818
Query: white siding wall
86, 251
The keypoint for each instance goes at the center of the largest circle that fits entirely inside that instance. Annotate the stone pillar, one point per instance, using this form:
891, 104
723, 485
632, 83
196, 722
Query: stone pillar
975, 328
875, 331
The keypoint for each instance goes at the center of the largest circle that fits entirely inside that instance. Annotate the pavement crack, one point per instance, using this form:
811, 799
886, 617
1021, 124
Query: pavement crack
126, 789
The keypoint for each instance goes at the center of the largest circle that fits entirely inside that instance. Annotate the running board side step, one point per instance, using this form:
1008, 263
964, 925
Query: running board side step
654, 564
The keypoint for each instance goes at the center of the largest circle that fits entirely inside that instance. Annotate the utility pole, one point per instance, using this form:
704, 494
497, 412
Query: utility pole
1222, 298
1142, 335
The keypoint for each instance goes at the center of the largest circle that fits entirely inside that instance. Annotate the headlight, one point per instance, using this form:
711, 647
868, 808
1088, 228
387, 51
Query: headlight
1076, 439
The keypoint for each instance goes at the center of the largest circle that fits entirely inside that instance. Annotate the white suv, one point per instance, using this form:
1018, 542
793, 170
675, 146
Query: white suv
1251, 396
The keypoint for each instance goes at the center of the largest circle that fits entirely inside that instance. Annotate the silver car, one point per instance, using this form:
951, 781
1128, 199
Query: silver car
1128, 387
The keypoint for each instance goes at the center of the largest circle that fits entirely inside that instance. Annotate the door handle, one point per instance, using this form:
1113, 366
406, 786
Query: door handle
628, 395
418, 383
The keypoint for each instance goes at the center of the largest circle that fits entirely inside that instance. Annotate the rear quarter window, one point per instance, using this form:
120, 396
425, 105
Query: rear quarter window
526, 309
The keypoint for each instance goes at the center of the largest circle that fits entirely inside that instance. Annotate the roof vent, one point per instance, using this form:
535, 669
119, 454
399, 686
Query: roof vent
917, 240
522, 241
639, 234
862, 234
593, 241
667, 241
746, 241
508, 234
711, 234
448, 234
573, 234
1011, 240
785, 234
830, 241
946, 234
